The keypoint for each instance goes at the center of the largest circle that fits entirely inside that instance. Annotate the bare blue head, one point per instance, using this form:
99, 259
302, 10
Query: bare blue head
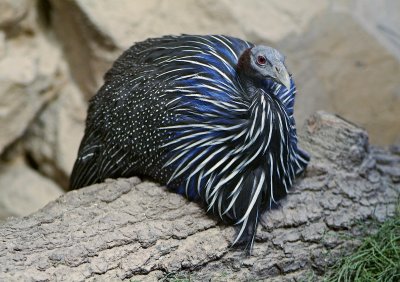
263, 62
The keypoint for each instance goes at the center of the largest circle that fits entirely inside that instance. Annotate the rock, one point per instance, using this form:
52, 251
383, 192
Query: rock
23, 191
94, 33
88, 50
380, 18
29, 75
12, 11
271, 21
2, 44
53, 139
127, 229
339, 67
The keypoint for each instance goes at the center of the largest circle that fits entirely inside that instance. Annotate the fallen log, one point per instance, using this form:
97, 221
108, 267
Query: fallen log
128, 229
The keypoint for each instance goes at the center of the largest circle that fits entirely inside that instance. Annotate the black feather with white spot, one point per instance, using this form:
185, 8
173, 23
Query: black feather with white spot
209, 116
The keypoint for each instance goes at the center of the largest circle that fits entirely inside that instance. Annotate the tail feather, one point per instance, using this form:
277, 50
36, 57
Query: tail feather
86, 167
247, 208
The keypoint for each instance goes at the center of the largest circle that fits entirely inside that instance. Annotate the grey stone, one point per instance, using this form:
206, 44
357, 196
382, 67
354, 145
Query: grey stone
53, 138
12, 11
23, 191
30, 69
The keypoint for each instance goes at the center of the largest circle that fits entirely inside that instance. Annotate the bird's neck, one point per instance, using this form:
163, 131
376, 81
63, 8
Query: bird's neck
254, 85
248, 85
248, 80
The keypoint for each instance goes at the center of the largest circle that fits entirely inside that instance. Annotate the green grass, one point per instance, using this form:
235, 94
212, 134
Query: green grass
377, 259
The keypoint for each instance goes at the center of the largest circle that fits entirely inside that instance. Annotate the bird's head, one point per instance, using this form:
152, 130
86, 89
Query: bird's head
263, 62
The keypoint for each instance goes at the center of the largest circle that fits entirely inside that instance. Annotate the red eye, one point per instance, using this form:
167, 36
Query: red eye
261, 60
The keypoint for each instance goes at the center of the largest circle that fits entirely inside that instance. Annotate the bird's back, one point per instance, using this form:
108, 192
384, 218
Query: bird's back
138, 97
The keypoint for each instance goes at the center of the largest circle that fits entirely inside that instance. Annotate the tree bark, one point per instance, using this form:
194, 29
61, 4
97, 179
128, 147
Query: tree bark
128, 229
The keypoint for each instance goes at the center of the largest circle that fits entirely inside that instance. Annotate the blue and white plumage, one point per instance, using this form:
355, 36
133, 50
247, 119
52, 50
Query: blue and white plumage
209, 116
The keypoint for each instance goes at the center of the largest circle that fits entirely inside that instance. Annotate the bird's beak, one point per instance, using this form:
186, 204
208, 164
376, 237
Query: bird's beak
283, 76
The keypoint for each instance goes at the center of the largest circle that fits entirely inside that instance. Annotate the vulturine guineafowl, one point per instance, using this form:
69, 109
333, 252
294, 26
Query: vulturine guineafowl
209, 116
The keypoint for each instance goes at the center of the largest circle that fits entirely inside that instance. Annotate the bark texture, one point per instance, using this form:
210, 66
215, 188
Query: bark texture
134, 230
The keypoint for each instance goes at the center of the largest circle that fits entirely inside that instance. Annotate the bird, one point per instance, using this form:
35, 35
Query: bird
209, 116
